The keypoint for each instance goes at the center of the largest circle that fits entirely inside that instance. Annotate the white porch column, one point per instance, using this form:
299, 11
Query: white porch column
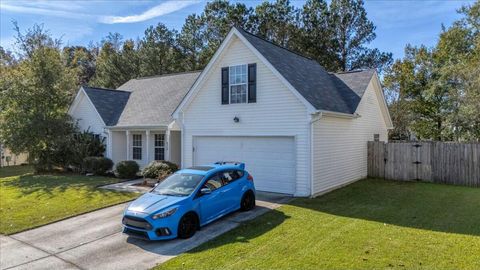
166, 144
109, 144
147, 145
127, 133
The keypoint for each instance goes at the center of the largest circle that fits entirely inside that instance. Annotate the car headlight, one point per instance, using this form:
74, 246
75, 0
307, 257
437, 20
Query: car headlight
165, 214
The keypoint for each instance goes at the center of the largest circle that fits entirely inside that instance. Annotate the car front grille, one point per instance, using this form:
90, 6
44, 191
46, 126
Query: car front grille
136, 234
136, 222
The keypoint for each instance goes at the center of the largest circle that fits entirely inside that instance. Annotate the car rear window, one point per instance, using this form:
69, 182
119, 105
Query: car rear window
231, 175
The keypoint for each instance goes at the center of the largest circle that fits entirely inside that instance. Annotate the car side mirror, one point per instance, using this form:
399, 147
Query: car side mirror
205, 191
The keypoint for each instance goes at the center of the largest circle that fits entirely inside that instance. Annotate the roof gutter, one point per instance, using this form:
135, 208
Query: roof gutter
137, 127
336, 114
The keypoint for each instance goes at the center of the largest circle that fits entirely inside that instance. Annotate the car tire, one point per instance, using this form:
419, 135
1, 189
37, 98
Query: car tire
248, 201
187, 226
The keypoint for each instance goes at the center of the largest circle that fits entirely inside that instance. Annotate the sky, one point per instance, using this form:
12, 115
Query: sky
80, 22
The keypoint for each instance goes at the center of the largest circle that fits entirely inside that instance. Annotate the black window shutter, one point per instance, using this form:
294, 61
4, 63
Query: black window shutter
225, 85
252, 83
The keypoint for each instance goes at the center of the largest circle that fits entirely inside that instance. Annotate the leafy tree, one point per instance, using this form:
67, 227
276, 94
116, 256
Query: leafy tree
82, 60
117, 62
459, 50
158, 52
192, 43
397, 80
437, 90
352, 32
34, 98
276, 21
316, 36
217, 19
419, 94
7, 58
129, 61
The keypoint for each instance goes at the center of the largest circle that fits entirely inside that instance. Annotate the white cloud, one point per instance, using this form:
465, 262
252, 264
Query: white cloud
43, 11
156, 11
56, 5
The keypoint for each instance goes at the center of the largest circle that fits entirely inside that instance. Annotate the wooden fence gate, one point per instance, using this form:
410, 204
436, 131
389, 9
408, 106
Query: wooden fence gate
438, 162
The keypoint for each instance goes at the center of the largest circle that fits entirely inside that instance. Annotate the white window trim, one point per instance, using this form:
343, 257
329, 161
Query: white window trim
234, 84
134, 146
158, 147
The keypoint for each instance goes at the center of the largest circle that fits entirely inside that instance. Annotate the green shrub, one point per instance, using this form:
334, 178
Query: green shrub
159, 169
97, 165
127, 169
70, 152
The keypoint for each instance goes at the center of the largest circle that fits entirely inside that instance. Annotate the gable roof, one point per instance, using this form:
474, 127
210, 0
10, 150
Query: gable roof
153, 99
357, 80
324, 91
109, 103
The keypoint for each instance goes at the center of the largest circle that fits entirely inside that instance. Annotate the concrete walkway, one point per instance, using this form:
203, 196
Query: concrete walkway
95, 241
128, 186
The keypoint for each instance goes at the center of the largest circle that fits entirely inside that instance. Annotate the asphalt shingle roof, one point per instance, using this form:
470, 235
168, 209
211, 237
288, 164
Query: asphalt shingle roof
325, 91
150, 101
108, 102
153, 99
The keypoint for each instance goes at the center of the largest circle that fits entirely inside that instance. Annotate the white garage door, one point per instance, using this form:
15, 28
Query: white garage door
270, 160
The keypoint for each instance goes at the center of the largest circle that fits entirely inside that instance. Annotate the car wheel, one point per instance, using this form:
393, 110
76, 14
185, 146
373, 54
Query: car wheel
248, 201
187, 226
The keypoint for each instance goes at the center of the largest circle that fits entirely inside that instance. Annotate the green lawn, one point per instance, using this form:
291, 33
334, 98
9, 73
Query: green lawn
15, 170
28, 200
372, 224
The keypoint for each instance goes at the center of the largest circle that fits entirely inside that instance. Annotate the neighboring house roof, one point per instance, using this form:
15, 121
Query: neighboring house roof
325, 91
153, 99
109, 103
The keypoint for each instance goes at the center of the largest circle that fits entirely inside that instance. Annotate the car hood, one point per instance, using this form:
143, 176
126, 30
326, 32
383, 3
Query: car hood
149, 203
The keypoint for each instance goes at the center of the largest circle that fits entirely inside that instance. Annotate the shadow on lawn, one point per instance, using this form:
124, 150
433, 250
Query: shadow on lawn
48, 185
242, 233
435, 207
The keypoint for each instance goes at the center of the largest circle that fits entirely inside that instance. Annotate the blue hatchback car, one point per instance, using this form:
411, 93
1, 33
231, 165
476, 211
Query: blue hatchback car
189, 199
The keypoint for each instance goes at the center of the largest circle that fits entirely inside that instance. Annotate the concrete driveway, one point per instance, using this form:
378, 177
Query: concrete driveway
95, 241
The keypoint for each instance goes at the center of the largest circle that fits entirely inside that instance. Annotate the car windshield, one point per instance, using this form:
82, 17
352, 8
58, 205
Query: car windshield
178, 184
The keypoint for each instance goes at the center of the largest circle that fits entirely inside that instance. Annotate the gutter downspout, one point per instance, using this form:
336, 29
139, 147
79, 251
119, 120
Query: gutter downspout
313, 119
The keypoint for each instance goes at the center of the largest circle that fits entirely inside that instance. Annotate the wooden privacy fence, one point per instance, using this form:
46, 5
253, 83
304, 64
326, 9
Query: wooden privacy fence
438, 162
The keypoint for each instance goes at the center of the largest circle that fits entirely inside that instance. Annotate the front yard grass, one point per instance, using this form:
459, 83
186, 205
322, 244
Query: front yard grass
28, 200
372, 224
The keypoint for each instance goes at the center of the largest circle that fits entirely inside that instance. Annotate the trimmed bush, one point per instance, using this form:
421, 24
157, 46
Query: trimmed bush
127, 169
159, 169
97, 165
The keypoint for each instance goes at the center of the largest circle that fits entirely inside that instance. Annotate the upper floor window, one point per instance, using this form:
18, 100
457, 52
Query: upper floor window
238, 84
137, 146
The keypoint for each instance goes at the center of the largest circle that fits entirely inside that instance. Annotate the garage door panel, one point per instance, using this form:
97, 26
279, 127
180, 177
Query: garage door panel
271, 160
